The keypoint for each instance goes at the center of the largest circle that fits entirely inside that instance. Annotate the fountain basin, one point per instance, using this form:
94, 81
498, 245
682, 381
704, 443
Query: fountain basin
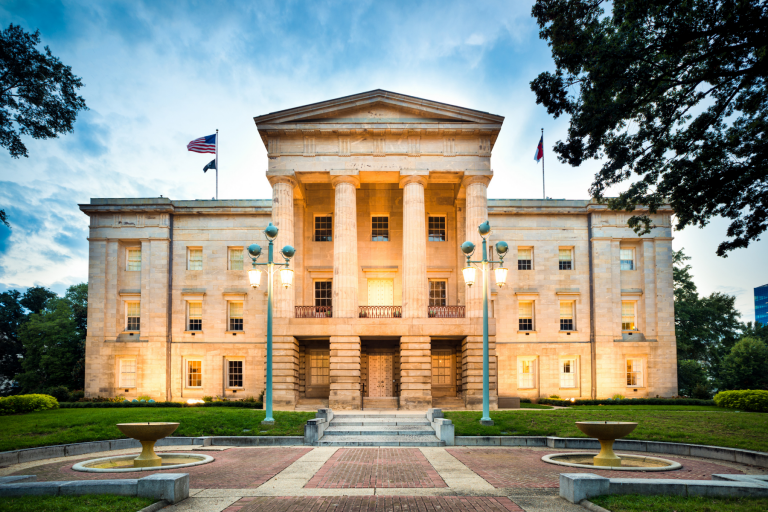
124, 463
628, 462
606, 432
147, 434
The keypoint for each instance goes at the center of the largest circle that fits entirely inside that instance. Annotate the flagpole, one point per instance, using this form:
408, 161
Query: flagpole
543, 183
217, 164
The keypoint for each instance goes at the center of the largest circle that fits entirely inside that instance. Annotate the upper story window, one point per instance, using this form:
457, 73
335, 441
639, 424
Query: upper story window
437, 293
323, 295
628, 316
524, 258
627, 259
195, 316
194, 258
380, 229
566, 315
525, 315
235, 258
324, 229
133, 258
436, 229
566, 259
132, 316
235, 316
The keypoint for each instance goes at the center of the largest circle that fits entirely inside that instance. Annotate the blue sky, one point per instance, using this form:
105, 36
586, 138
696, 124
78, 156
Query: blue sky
158, 74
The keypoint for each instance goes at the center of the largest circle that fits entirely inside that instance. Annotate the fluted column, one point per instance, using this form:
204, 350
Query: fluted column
282, 217
415, 287
345, 270
477, 213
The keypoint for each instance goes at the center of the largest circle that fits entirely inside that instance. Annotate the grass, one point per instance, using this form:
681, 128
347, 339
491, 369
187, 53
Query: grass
745, 430
535, 406
637, 503
64, 426
686, 408
87, 503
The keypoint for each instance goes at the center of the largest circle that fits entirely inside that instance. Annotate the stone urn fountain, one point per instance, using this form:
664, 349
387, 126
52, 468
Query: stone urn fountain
147, 434
606, 432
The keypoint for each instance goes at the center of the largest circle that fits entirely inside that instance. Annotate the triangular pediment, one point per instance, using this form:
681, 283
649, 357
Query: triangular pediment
376, 107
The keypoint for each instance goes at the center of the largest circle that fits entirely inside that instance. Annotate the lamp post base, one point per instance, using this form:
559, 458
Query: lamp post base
268, 422
488, 422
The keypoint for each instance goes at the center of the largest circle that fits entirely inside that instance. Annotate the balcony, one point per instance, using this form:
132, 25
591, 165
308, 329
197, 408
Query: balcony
314, 312
381, 312
445, 312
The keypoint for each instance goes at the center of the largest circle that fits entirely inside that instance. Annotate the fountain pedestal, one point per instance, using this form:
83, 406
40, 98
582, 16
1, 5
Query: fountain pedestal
147, 434
606, 432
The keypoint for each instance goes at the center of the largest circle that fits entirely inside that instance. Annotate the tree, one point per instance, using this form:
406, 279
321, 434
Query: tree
691, 377
35, 298
4, 219
77, 296
672, 92
11, 317
744, 367
37, 92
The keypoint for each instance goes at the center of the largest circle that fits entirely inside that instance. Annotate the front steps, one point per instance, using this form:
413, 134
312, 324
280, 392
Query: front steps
386, 403
379, 430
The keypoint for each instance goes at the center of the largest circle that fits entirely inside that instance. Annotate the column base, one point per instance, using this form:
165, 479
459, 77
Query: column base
415, 403
486, 423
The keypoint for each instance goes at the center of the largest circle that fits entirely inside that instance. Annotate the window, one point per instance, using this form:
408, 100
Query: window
566, 259
319, 368
442, 368
525, 315
235, 258
436, 229
628, 322
194, 374
635, 372
195, 315
566, 315
133, 259
234, 374
235, 316
323, 293
567, 373
627, 259
526, 376
194, 259
127, 373
324, 229
437, 293
380, 229
133, 316
524, 259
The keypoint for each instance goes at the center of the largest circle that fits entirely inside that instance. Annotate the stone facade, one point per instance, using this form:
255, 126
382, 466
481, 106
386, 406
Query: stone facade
376, 192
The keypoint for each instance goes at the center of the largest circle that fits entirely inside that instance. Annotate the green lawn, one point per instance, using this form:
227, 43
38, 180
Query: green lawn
637, 503
744, 430
88, 503
534, 406
78, 425
687, 408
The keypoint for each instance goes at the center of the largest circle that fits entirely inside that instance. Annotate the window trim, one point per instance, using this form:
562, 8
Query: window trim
188, 360
125, 325
535, 368
314, 227
379, 215
445, 227
189, 258
120, 372
530, 247
533, 316
188, 326
128, 250
227, 360
229, 257
634, 317
429, 291
229, 315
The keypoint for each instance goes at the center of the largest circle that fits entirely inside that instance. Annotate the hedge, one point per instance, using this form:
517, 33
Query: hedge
628, 401
107, 405
744, 399
18, 404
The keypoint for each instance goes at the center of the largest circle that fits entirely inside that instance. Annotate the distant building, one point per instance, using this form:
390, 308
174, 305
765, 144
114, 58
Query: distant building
761, 304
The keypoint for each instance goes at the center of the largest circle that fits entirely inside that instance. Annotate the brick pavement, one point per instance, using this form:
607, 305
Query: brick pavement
236, 468
520, 467
374, 503
376, 467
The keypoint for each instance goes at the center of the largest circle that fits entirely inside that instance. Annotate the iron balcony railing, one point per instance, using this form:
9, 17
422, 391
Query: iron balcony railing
314, 311
381, 312
445, 312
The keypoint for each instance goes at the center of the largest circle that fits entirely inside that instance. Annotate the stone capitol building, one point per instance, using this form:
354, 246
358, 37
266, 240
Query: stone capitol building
377, 191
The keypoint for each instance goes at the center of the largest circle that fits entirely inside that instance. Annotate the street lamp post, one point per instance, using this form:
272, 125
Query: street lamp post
286, 277
468, 248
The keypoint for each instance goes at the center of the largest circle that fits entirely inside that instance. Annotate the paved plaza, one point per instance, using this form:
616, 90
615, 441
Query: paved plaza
331, 479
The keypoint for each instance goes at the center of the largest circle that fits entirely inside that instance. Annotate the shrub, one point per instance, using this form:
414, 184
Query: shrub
617, 396
143, 397
629, 401
745, 399
18, 404
207, 399
701, 391
554, 397
60, 393
76, 395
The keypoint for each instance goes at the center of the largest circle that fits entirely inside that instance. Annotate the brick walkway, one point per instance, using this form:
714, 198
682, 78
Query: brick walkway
374, 503
376, 467
520, 467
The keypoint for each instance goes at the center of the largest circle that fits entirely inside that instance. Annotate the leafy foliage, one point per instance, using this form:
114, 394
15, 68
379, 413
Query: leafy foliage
691, 376
37, 92
18, 404
744, 399
672, 92
745, 366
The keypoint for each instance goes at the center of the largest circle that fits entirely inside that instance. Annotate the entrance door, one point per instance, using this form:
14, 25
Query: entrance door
380, 375
381, 292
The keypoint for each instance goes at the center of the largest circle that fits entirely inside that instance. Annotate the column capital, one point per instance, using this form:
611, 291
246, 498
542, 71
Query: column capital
347, 178
413, 178
282, 178
483, 179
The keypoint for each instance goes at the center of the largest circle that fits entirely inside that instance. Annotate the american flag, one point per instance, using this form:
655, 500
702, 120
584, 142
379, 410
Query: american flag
203, 144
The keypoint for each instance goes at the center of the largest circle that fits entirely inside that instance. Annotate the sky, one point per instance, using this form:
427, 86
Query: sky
159, 74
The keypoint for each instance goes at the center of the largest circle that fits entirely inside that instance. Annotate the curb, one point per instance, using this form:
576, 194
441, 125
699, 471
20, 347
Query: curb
159, 505
584, 503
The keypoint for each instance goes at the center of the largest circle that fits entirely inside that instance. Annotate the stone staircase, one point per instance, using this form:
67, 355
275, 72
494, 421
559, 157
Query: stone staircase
381, 403
379, 430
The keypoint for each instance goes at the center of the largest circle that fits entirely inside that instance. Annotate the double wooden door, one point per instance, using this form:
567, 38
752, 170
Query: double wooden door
380, 374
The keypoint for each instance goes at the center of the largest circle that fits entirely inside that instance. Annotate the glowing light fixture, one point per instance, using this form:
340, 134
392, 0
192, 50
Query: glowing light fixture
501, 276
469, 275
254, 276
286, 276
